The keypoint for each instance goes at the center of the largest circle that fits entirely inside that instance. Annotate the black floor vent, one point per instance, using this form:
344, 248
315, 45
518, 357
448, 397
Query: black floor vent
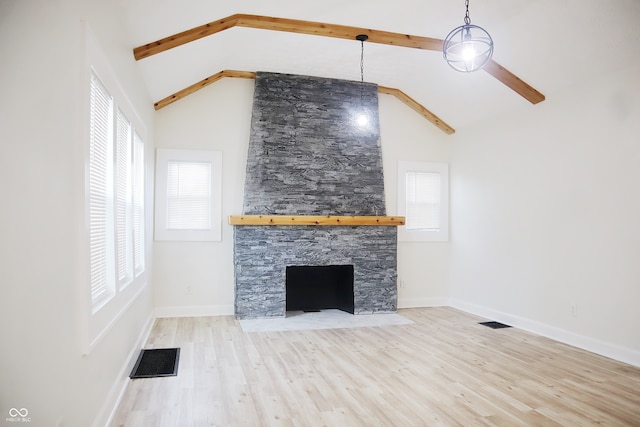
494, 325
158, 362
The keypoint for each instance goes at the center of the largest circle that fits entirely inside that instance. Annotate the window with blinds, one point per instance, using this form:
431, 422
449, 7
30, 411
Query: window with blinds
188, 195
115, 197
99, 194
423, 200
138, 204
123, 198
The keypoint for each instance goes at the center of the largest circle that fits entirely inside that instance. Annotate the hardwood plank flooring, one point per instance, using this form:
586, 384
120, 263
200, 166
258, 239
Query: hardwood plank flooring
442, 370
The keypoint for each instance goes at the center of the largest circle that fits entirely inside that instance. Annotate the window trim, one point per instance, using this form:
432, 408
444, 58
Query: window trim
164, 156
441, 235
98, 319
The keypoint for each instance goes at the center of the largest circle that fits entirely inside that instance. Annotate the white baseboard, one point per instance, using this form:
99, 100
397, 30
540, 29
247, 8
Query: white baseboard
613, 351
108, 410
422, 302
194, 311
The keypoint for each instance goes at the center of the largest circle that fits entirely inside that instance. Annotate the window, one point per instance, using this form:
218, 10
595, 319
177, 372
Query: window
188, 192
100, 135
423, 200
115, 197
138, 204
188, 196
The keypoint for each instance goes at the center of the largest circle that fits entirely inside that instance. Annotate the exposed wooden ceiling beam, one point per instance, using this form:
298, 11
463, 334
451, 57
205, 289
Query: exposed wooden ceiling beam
415, 105
419, 108
202, 84
513, 82
327, 30
338, 31
287, 25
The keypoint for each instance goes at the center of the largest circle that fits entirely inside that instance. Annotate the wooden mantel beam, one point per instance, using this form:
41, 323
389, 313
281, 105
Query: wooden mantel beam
327, 30
332, 220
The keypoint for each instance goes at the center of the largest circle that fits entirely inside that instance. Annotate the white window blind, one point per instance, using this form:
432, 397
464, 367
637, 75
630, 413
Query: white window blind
123, 199
138, 204
115, 202
423, 201
99, 191
188, 196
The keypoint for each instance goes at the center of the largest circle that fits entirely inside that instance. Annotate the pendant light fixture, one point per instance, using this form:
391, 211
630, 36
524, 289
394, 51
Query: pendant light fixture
362, 115
468, 47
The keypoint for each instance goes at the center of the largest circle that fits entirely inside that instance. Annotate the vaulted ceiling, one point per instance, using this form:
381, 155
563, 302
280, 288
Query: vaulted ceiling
550, 45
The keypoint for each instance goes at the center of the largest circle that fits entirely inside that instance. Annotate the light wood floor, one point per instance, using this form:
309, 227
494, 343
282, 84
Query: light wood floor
444, 369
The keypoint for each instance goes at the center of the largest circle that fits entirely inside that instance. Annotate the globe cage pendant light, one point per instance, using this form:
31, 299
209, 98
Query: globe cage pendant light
468, 47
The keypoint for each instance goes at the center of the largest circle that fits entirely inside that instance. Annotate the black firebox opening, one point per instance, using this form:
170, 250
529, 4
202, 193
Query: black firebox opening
314, 288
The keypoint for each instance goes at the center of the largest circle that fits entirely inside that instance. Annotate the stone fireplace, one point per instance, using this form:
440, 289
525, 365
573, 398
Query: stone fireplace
307, 156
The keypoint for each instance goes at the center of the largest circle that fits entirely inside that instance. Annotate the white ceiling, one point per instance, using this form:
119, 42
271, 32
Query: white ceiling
551, 44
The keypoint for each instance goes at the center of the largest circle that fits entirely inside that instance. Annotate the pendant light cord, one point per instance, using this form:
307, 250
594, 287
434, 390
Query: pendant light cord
361, 61
362, 38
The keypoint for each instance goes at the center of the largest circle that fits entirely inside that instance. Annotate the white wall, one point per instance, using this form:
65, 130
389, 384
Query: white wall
43, 246
218, 118
423, 267
215, 118
545, 209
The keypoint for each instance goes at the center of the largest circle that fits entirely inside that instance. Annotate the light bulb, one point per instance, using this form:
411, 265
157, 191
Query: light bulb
468, 52
363, 119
